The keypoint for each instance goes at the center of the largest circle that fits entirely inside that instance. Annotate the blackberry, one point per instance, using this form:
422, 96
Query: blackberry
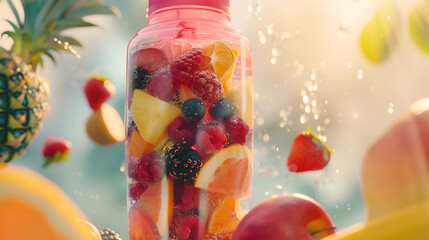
139, 77
183, 163
108, 234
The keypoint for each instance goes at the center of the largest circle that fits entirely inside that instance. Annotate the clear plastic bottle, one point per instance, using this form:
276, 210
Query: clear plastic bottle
189, 119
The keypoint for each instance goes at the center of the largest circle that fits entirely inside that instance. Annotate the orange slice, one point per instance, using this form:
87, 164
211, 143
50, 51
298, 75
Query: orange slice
33, 207
220, 58
157, 201
226, 217
227, 172
137, 145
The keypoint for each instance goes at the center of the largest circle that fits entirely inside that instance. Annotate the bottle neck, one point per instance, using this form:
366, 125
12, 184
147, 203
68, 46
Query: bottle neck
188, 12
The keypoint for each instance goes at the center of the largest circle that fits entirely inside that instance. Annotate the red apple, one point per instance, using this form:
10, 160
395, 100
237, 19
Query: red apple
141, 226
288, 217
97, 91
55, 149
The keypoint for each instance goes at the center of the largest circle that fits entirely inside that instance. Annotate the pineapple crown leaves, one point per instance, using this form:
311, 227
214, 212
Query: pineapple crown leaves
44, 21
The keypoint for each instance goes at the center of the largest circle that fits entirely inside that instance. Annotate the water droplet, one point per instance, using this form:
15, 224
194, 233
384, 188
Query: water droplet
266, 138
285, 35
337, 171
270, 28
336, 206
277, 191
273, 60
355, 116
303, 119
305, 99
390, 109
307, 108
260, 121
327, 121
343, 28
359, 74
349, 65
316, 116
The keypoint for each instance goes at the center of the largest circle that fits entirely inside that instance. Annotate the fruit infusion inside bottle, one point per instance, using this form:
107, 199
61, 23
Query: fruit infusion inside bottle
189, 138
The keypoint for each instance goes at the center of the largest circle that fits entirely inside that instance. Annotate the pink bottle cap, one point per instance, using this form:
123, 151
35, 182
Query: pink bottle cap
222, 5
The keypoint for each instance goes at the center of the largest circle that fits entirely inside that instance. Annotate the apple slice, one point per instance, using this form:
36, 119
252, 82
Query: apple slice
152, 116
105, 126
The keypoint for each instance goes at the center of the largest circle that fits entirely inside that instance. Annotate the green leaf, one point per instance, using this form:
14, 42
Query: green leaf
57, 9
40, 19
31, 9
15, 28
71, 23
17, 41
379, 36
97, 9
419, 26
51, 57
15, 13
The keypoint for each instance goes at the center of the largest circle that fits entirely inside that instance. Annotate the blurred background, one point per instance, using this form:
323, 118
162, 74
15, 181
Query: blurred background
309, 68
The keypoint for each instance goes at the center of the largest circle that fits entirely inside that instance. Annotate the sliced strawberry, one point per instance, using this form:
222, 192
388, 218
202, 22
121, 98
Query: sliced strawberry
55, 149
308, 153
150, 59
97, 91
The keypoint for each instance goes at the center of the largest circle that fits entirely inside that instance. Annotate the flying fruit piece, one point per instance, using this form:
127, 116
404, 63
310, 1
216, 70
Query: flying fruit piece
308, 153
378, 38
419, 25
105, 126
287, 217
33, 207
395, 171
55, 150
97, 91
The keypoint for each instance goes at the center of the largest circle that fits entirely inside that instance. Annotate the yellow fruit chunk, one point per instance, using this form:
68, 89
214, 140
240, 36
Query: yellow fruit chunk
157, 201
379, 36
137, 146
419, 25
33, 207
152, 116
226, 217
242, 97
228, 172
105, 126
220, 58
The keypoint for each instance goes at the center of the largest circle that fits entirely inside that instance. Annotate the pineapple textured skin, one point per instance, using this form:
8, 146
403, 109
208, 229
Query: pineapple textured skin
23, 105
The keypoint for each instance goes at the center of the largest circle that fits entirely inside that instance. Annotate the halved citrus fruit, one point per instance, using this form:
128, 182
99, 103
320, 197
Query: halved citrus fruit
33, 207
220, 58
227, 172
157, 201
226, 217
105, 126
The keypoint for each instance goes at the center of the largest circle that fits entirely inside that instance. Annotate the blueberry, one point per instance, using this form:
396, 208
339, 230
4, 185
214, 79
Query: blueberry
222, 109
139, 77
193, 110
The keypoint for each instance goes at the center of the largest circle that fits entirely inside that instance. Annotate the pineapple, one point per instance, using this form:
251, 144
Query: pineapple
23, 93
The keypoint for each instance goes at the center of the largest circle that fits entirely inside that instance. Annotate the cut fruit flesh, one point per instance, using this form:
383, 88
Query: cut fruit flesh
141, 226
227, 172
157, 201
105, 126
152, 116
226, 217
33, 207
220, 58
137, 145
242, 97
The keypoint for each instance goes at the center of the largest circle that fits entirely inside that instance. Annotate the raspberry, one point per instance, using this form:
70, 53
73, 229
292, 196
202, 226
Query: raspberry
190, 228
132, 170
188, 63
206, 86
236, 131
182, 132
183, 163
186, 196
162, 84
137, 190
150, 167
211, 136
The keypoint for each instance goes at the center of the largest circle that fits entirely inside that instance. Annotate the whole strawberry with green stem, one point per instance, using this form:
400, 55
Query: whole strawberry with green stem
308, 153
55, 150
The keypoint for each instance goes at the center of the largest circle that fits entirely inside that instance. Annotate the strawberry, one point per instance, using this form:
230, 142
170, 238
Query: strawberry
150, 59
55, 149
97, 91
308, 153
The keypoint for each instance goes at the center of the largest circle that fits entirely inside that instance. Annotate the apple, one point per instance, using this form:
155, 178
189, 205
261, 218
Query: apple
287, 217
55, 150
395, 170
97, 91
